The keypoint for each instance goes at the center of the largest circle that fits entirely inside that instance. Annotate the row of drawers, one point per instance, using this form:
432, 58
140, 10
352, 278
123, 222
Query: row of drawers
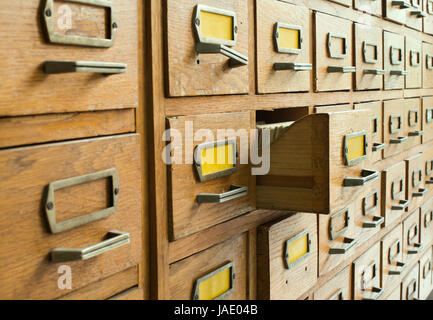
71, 216
202, 62
290, 252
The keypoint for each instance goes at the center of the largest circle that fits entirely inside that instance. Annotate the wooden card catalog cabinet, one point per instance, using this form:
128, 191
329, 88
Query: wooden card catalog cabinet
318, 170
61, 63
283, 47
207, 47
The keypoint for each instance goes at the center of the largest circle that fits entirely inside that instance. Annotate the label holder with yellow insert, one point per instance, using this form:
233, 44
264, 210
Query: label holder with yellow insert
355, 148
49, 18
217, 30
292, 260
215, 282
288, 39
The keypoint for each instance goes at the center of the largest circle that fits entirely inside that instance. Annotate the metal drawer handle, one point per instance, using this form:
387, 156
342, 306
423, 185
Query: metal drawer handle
416, 133
376, 72
420, 193
429, 181
401, 3
399, 269
399, 73
50, 208
377, 221
293, 66
56, 67
402, 205
427, 223
378, 146
349, 244
366, 176
376, 293
234, 193
373, 60
334, 69
235, 58
115, 240
419, 14
398, 140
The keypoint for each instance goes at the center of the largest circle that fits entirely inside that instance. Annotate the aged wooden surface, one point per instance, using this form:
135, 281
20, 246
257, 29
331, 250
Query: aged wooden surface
342, 281
361, 269
25, 175
130, 294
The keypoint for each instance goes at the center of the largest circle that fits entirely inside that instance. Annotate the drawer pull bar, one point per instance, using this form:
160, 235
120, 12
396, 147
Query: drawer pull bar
429, 181
56, 67
398, 270
116, 239
349, 244
293, 66
398, 140
366, 176
414, 248
401, 3
399, 73
377, 72
234, 193
419, 14
235, 58
416, 133
401, 206
377, 221
420, 193
378, 146
334, 69
50, 207
375, 294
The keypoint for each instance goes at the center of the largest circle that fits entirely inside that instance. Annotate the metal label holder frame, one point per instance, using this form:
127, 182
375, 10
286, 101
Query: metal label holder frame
366, 44
368, 284
79, 40
413, 62
356, 161
304, 256
231, 266
50, 210
394, 194
276, 37
329, 45
375, 195
334, 235
394, 61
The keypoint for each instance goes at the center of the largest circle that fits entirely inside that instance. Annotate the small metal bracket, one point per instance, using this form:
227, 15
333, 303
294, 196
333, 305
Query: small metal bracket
399, 72
280, 49
398, 270
376, 221
411, 293
337, 296
231, 266
429, 167
401, 3
402, 205
286, 250
115, 240
418, 13
331, 52
429, 115
373, 60
416, 177
293, 66
53, 37
413, 247
376, 293
366, 176
426, 270
56, 67
234, 193
50, 208
378, 146
411, 122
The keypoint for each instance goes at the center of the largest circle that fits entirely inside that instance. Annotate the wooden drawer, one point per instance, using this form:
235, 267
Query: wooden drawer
309, 171
410, 285
333, 57
411, 236
368, 57
427, 119
396, 12
426, 222
207, 47
414, 63
394, 202
332, 108
428, 159
33, 222
427, 49
366, 275
395, 293
28, 89
283, 47
412, 124
393, 60
197, 203
393, 265
428, 20
372, 7
377, 145
425, 275
415, 14
415, 188
287, 257
216, 273
338, 288
394, 123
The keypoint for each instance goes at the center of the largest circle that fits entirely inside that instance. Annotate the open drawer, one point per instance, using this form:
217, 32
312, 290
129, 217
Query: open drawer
318, 163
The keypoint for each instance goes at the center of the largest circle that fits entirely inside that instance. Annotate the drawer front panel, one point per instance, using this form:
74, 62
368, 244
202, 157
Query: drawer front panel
416, 192
216, 273
394, 125
415, 15
414, 63
394, 12
393, 61
427, 119
283, 43
425, 274
411, 236
427, 49
393, 265
412, 126
287, 257
29, 233
30, 89
426, 222
410, 285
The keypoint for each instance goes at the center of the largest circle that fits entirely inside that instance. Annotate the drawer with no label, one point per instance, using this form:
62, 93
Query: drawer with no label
338, 288
410, 285
425, 274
